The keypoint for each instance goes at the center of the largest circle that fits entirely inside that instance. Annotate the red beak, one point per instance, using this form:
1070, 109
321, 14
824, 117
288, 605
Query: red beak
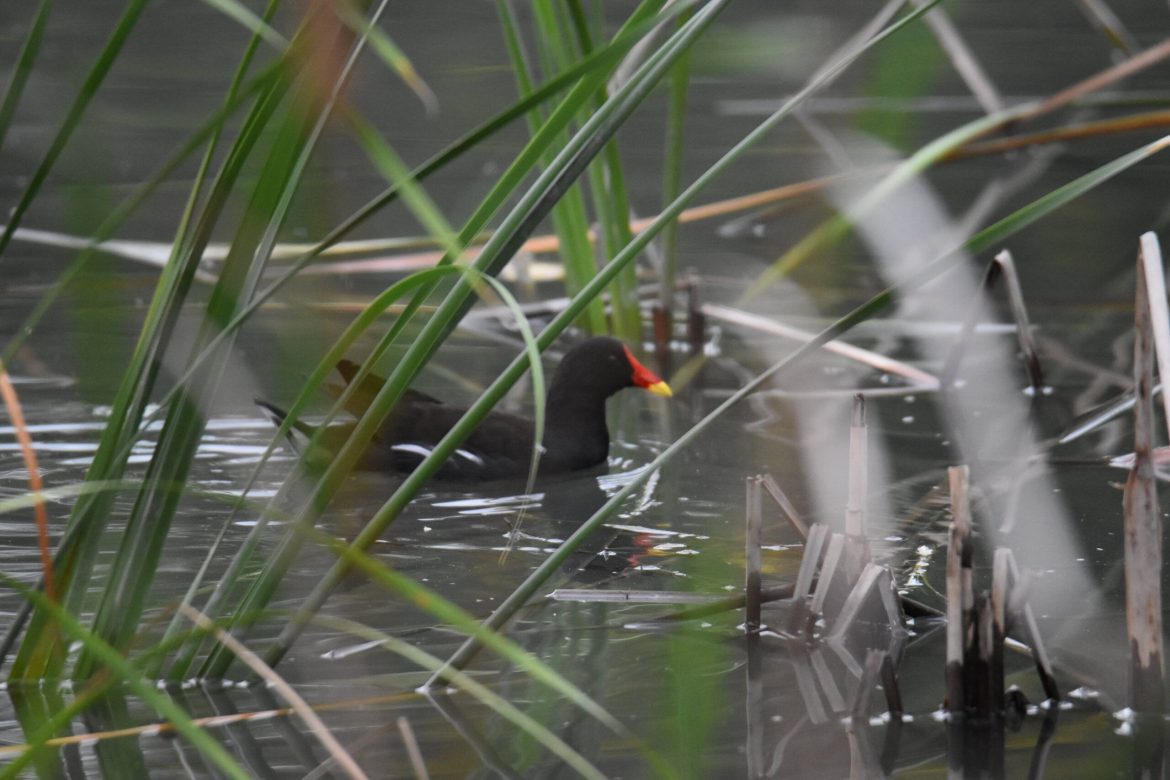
645, 378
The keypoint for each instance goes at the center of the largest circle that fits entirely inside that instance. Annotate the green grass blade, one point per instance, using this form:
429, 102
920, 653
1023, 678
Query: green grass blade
143, 688
471, 687
391, 54
387, 161
602, 60
33, 708
1041, 207
391, 166
672, 176
840, 224
146, 531
570, 216
250, 21
24, 65
557, 179
263, 588
424, 209
611, 203
91, 514
108, 227
61, 717
32, 498
142, 542
89, 88
453, 615
570, 223
39, 653
141, 194
608, 176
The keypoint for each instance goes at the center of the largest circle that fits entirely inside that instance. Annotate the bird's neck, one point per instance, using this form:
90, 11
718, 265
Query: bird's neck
567, 403
575, 423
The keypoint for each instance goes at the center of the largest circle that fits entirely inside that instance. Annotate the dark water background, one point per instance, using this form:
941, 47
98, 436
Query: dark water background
701, 694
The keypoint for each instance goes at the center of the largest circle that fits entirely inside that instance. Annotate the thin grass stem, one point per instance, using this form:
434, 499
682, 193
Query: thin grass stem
81, 101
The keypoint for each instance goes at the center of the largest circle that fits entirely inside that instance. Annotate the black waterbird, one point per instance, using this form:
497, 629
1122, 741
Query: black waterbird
575, 435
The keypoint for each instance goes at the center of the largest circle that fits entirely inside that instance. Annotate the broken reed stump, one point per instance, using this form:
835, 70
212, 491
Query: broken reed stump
663, 321
1007, 267
837, 587
790, 514
878, 668
696, 320
959, 596
831, 562
1143, 522
977, 624
1001, 266
839, 563
752, 541
855, 519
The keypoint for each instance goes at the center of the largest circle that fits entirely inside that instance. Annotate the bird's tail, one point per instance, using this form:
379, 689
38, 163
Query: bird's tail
298, 433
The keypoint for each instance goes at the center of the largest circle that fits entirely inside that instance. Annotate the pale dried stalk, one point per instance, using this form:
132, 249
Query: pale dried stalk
286, 691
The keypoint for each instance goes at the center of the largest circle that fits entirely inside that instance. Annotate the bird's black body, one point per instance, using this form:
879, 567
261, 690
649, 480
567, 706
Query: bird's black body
575, 435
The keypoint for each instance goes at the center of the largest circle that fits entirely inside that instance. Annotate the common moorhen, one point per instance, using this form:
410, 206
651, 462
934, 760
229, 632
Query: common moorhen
575, 433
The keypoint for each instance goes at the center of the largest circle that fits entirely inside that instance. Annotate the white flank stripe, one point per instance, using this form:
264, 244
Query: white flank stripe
471, 456
416, 449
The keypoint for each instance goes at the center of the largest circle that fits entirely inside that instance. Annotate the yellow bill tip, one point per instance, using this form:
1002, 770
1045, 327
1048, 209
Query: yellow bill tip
660, 388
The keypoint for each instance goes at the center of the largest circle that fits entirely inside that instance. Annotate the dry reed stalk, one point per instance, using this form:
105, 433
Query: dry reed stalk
1143, 521
1106, 22
807, 685
828, 570
1022, 614
786, 507
915, 376
1000, 597
302, 708
870, 578
1003, 266
890, 686
35, 484
754, 712
1112, 75
809, 562
963, 59
696, 320
662, 327
870, 675
1011, 143
211, 721
957, 598
417, 764
752, 540
1015, 293
855, 519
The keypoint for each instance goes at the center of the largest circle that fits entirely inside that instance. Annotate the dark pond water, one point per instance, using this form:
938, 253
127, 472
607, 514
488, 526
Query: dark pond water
713, 702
